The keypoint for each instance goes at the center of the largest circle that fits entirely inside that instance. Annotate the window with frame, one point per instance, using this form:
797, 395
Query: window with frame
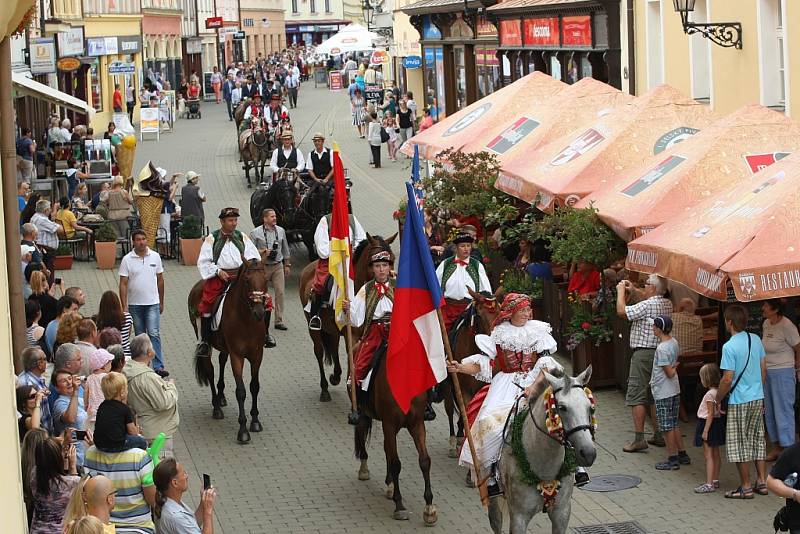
294, 7
95, 86
312, 6
327, 6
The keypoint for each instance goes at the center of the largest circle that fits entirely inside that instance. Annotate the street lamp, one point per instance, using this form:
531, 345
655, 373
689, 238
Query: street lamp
726, 34
369, 12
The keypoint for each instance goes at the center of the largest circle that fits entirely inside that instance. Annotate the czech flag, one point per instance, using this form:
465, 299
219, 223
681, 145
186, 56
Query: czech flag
415, 360
339, 260
415, 181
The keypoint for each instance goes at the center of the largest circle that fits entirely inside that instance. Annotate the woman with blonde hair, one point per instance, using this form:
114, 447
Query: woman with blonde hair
44, 294
87, 524
67, 329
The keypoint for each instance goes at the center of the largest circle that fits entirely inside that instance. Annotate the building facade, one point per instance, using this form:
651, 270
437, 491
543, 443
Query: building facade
161, 37
263, 24
726, 78
191, 42
405, 44
312, 21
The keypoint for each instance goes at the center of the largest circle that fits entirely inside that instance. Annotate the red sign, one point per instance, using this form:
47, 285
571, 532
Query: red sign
213, 23
577, 30
335, 80
541, 31
759, 162
510, 33
486, 28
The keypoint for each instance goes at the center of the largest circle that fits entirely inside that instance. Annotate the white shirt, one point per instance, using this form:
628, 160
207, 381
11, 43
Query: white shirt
322, 239
249, 111
460, 280
141, 273
236, 96
293, 81
301, 162
358, 308
310, 164
229, 257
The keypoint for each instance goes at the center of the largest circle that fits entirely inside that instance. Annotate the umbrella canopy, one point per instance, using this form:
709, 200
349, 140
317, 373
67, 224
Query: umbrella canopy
473, 121
750, 234
578, 163
351, 38
722, 155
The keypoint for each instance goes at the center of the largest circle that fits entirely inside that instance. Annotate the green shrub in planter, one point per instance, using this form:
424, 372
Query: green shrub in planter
63, 250
105, 233
190, 228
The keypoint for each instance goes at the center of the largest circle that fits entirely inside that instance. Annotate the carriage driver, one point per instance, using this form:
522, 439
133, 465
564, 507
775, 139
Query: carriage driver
320, 291
276, 109
221, 255
456, 274
287, 156
255, 109
320, 161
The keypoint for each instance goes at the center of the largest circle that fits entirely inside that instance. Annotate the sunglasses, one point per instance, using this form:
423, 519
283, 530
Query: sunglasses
32, 396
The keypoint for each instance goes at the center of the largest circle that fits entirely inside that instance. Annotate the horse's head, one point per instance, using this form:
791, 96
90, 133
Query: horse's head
284, 191
486, 308
575, 407
361, 255
253, 276
319, 200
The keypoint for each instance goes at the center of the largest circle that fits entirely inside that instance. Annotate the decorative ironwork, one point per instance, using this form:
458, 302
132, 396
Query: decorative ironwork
725, 34
387, 32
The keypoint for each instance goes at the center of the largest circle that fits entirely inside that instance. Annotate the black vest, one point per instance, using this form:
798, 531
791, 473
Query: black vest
290, 163
322, 166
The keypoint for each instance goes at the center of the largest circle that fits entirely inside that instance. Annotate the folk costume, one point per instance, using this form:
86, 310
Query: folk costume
455, 276
371, 310
220, 252
322, 243
320, 163
517, 354
283, 158
255, 109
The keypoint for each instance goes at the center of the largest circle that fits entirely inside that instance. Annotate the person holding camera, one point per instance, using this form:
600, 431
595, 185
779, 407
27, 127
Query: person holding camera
270, 240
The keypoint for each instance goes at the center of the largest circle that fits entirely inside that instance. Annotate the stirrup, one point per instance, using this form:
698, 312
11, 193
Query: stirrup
203, 350
315, 323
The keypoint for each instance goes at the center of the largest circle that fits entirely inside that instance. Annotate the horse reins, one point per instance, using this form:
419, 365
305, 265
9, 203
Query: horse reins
567, 433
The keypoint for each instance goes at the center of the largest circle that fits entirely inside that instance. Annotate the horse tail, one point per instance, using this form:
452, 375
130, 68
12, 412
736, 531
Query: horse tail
362, 433
203, 370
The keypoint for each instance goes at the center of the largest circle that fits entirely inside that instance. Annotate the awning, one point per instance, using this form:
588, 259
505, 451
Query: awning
426, 7
512, 5
30, 87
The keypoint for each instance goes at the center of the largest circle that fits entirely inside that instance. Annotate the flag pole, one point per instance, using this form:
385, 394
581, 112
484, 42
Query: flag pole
476, 465
349, 343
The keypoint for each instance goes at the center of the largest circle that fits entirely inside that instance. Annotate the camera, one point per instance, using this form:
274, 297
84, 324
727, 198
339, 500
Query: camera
274, 252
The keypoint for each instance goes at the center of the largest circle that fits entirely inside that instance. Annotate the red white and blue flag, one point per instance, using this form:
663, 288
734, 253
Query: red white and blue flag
415, 360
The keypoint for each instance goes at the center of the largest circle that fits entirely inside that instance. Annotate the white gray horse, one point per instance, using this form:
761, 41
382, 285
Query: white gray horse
545, 454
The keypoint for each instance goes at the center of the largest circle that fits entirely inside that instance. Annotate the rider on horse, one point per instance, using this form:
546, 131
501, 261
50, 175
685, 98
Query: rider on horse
371, 310
320, 292
221, 255
255, 109
275, 110
287, 156
456, 274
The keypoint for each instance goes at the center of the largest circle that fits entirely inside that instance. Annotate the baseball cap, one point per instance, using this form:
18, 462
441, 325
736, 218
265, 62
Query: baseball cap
99, 358
663, 322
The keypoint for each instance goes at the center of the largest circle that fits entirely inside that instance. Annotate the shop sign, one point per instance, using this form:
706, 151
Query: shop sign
213, 23
68, 64
379, 57
429, 30
327, 28
148, 120
578, 147
239, 36
132, 44
511, 32
373, 92
412, 62
542, 32
486, 28
759, 162
43, 55
228, 30
511, 136
70, 43
102, 46
121, 67
194, 46
468, 119
652, 176
335, 80
577, 30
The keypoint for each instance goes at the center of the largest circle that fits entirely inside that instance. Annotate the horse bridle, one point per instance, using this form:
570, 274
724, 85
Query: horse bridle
564, 441
251, 297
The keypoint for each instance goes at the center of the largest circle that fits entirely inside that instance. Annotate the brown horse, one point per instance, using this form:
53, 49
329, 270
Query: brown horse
255, 146
326, 340
240, 335
381, 405
478, 319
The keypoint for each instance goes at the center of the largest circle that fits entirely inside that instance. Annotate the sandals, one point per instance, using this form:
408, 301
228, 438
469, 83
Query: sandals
740, 493
761, 489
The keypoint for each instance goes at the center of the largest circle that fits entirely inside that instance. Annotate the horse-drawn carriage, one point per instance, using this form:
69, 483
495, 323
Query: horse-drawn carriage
258, 136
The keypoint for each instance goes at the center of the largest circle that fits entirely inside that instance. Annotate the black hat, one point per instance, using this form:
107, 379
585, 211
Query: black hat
228, 212
463, 238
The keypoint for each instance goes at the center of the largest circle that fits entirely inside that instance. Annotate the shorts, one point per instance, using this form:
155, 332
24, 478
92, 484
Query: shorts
667, 413
744, 432
716, 434
639, 378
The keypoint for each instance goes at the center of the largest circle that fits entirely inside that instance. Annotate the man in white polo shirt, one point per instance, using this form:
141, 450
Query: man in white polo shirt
141, 290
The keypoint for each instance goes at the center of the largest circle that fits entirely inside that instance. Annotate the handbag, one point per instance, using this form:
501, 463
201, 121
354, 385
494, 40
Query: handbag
723, 407
384, 135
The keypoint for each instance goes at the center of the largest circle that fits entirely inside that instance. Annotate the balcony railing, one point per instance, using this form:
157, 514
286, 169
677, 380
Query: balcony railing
112, 7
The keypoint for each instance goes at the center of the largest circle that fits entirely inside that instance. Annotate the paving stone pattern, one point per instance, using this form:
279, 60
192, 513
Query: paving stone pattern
299, 475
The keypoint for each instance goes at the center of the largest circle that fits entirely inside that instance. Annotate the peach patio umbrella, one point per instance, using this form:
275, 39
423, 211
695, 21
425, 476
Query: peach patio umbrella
474, 120
580, 162
719, 157
749, 234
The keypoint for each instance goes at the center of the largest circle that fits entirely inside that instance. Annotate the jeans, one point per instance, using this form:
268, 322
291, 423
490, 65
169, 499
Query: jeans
779, 405
230, 109
406, 134
147, 318
131, 442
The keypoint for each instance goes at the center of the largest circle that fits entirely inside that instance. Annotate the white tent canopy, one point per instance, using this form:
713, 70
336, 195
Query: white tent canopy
30, 87
351, 38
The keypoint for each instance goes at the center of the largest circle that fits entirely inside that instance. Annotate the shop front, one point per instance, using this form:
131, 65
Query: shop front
191, 55
161, 33
458, 48
311, 32
72, 69
568, 41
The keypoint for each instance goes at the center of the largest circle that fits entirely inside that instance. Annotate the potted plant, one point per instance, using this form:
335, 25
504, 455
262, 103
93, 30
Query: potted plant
63, 259
105, 246
191, 239
515, 280
589, 338
399, 215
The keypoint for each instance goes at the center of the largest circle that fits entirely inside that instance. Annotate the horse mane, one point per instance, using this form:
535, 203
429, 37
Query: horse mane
362, 247
541, 385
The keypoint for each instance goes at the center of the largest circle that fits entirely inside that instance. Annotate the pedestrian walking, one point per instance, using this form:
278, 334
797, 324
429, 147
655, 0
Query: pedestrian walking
405, 121
141, 291
374, 138
192, 198
227, 90
292, 88
130, 100
216, 82
270, 240
26, 150
359, 112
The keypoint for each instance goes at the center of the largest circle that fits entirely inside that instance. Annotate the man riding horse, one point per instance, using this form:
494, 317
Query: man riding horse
255, 109
456, 274
319, 163
321, 290
276, 111
221, 256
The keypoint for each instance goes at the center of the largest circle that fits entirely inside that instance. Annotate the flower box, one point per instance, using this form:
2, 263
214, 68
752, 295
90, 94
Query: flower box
601, 358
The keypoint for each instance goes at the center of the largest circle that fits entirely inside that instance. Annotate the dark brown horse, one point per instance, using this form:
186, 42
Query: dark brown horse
381, 405
240, 335
478, 319
326, 340
255, 146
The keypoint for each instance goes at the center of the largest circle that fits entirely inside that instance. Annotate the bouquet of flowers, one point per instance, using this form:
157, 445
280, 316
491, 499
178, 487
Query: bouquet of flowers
400, 213
586, 324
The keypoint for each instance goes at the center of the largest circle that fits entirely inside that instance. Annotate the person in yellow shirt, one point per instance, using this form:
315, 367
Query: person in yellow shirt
69, 222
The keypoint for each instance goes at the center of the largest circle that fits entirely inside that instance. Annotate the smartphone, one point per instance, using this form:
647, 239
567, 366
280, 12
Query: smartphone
206, 481
80, 435
58, 281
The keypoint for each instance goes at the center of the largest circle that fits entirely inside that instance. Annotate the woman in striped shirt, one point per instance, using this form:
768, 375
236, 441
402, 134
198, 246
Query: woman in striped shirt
110, 314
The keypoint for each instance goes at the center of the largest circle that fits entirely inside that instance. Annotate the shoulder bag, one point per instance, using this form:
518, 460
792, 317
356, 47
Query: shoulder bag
723, 407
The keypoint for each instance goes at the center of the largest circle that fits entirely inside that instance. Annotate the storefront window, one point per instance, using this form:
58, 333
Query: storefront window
586, 66
96, 88
572, 69
461, 78
555, 67
434, 81
488, 70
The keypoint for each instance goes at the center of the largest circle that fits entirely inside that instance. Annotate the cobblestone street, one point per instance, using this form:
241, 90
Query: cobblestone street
299, 474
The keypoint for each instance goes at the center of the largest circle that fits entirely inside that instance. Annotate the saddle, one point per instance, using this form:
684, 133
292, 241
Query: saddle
378, 358
326, 291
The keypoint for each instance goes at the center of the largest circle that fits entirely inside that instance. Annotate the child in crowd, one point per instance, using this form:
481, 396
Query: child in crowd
667, 393
100, 364
116, 429
391, 128
710, 433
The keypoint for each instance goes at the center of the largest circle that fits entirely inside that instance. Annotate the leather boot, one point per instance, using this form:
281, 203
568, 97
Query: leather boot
204, 347
269, 341
315, 323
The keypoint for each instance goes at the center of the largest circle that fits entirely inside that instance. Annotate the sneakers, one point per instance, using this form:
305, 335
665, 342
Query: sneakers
683, 458
281, 326
269, 342
705, 488
635, 446
657, 441
668, 465
315, 323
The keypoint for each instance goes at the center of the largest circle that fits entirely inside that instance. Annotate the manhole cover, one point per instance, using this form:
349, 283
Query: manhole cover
626, 527
612, 483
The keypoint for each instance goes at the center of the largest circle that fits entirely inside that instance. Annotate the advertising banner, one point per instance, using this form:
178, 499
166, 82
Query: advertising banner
43, 55
335, 81
148, 121
510, 33
542, 32
577, 30
70, 43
